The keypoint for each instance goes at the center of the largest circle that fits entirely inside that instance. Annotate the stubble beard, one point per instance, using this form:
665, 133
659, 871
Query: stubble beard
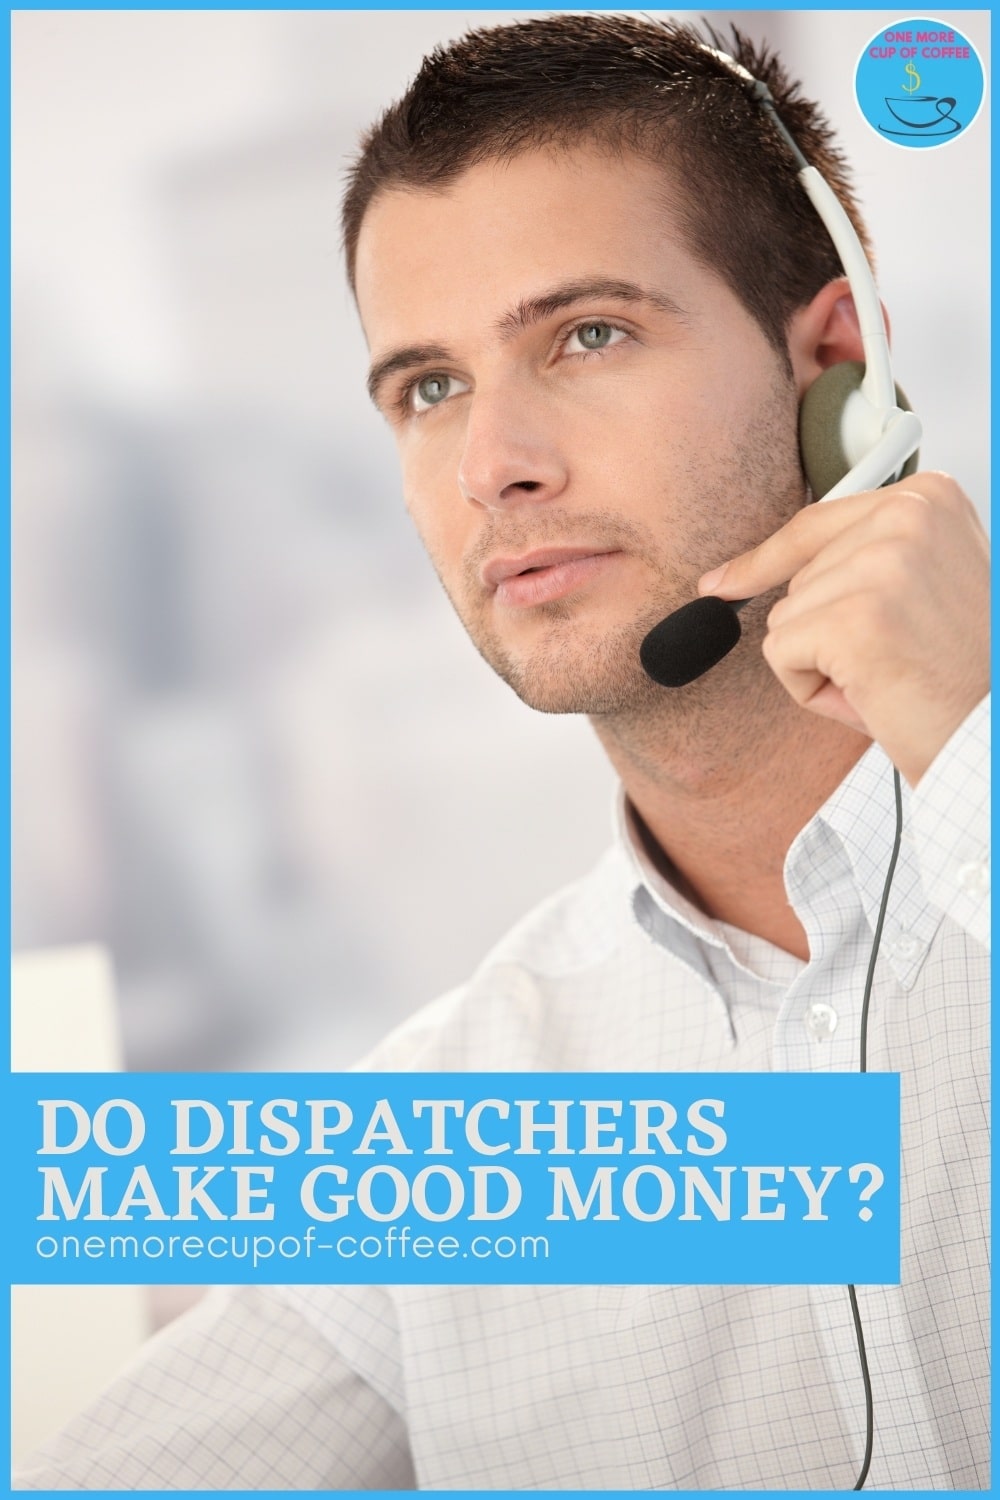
717, 511
573, 664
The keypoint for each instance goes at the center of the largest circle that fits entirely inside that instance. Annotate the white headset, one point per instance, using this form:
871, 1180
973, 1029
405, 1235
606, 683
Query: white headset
856, 431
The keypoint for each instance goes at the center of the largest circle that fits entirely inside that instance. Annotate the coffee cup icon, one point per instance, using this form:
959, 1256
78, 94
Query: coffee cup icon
925, 112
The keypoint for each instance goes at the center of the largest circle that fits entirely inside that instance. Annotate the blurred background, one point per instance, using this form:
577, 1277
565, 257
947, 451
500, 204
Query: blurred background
254, 755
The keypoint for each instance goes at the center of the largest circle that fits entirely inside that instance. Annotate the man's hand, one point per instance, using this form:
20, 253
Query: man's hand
885, 625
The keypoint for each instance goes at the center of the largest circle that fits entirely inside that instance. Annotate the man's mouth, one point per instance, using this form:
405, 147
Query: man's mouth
545, 574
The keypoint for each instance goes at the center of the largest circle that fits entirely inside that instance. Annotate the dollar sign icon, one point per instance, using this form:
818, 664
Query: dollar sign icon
911, 72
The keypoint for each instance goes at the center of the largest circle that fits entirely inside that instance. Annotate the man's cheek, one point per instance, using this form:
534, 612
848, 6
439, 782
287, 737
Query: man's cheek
435, 521
421, 505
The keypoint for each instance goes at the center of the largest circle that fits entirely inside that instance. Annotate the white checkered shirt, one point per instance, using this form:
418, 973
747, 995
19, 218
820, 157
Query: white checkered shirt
624, 1387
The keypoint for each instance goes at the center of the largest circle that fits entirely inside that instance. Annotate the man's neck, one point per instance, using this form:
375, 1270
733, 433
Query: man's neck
719, 817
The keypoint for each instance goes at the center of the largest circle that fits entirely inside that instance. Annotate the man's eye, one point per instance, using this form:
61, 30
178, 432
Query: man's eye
431, 390
594, 336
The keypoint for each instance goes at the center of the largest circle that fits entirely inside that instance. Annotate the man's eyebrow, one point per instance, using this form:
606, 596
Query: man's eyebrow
402, 359
536, 309
527, 312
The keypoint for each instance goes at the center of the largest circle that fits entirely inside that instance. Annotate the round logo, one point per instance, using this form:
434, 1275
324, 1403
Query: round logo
919, 83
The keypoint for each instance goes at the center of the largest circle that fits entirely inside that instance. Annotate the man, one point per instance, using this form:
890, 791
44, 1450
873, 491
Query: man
594, 296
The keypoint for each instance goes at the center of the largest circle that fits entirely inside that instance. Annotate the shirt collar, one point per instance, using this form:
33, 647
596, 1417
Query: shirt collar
861, 813
861, 816
646, 878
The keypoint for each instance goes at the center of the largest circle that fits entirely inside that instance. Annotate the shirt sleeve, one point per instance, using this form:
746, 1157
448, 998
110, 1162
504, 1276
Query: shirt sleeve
951, 826
242, 1393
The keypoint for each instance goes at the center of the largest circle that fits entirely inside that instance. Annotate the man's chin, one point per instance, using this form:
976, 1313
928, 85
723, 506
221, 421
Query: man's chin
597, 679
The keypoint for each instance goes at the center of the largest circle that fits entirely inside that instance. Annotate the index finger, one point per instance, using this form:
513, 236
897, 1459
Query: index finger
780, 557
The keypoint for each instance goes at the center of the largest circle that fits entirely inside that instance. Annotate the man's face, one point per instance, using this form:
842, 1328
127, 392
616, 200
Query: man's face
587, 418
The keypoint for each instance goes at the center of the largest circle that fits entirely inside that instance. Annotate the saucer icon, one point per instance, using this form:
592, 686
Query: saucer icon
927, 113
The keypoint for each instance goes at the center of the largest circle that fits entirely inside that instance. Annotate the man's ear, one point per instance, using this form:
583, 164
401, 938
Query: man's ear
824, 333
827, 355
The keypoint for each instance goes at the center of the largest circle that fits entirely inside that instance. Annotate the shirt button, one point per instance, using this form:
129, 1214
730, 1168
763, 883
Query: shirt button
974, 878
821, 1021
905, 946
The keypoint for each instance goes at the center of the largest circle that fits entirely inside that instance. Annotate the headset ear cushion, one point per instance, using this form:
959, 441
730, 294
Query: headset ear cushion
821, 426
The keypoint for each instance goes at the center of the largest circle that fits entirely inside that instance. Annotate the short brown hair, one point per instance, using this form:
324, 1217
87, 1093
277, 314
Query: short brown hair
628, 85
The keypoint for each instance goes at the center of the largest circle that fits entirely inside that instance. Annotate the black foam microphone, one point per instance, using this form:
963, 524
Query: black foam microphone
691, 640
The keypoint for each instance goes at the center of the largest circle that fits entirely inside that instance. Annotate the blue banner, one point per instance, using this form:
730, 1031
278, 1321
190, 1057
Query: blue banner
454, 1178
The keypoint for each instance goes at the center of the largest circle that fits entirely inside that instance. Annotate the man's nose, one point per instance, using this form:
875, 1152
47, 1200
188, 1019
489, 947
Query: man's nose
511, 452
